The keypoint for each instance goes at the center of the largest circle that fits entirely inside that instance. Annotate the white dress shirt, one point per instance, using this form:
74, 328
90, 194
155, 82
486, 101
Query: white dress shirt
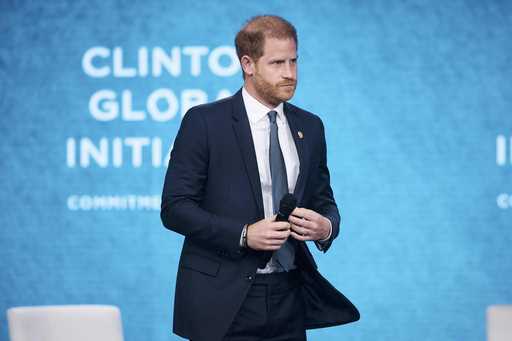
260, 129
259, 122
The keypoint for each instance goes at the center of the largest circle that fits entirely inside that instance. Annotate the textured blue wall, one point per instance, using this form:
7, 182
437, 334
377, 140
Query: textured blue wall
416, 97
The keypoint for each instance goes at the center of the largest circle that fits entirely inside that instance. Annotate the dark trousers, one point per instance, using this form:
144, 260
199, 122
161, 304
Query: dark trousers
273, 310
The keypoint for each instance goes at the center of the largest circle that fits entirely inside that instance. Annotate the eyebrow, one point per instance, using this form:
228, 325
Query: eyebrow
282, 59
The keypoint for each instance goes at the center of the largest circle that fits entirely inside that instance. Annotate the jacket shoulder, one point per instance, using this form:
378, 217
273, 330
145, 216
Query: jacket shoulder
304, 115
219, 106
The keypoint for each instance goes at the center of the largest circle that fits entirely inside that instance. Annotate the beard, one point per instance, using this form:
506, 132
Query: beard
274, 94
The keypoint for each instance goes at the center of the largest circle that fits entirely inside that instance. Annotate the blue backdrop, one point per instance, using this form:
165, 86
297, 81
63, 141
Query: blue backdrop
416, 98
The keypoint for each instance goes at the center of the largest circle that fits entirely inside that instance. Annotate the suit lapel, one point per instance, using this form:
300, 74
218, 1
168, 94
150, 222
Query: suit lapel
297, 130
243, 135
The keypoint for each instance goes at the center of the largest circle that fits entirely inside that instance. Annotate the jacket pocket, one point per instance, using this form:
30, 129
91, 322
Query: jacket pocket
200, 263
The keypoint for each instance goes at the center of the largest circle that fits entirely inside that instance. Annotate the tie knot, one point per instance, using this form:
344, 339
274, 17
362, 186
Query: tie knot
272, 116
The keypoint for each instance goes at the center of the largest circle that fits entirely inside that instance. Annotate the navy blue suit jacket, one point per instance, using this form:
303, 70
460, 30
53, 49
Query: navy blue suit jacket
212, 189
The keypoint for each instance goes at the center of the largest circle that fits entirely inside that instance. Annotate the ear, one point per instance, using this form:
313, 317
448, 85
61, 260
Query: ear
247, 65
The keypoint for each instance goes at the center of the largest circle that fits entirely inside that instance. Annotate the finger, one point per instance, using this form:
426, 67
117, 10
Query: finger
305, 232
300, 212
277, 240
302, 222
295, 219
280, 235
263, 246
280, 225
310, 215
271, 248
275, 244
299, 237
306, 226
299, 230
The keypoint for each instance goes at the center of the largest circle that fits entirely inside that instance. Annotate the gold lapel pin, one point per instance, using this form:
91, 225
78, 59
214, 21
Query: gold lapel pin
301, 135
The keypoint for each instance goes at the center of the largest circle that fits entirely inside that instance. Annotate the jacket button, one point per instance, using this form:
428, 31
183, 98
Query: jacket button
249, 277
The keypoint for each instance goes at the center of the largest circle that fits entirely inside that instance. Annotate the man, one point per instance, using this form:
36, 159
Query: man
242, 275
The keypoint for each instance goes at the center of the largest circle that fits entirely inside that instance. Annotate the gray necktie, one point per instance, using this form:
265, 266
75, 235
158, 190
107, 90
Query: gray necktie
286, 254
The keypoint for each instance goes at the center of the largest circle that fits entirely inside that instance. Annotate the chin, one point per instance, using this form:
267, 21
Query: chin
287, 96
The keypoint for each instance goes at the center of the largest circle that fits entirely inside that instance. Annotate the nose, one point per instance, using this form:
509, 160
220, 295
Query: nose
289, 71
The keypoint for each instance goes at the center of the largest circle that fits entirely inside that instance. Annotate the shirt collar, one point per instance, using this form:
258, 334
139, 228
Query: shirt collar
256, 111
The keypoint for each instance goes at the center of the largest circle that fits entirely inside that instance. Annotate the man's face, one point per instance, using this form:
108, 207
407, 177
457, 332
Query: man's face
274, 76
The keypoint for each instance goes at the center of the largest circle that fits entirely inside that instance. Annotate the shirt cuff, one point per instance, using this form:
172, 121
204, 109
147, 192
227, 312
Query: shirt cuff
330, 232
321, 244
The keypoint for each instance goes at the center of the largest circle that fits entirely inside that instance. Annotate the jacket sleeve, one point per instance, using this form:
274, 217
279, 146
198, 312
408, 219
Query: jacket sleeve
184, 189
322, 199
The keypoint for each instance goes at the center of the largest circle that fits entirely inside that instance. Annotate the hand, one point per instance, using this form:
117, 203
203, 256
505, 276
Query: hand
308, 225
267, 234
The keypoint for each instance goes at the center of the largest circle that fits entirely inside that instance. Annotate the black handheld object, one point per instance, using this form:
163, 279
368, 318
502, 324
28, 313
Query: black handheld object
286, 206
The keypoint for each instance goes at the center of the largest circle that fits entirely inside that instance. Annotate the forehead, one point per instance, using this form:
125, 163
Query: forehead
274, 47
